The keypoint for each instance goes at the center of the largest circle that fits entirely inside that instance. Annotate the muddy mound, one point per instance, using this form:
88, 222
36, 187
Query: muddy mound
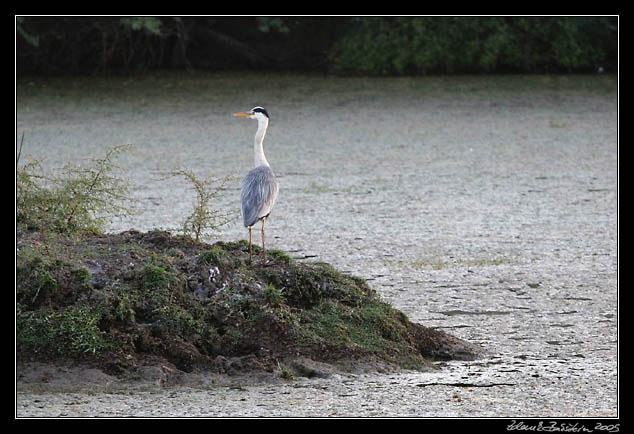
113, 300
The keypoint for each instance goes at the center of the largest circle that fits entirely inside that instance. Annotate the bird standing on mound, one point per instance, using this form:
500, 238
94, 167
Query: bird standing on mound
259, 187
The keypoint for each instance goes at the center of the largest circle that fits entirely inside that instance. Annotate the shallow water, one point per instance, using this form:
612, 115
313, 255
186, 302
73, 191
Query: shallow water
486, 206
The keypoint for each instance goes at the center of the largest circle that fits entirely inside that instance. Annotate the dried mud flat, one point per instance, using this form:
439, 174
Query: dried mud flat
483, 206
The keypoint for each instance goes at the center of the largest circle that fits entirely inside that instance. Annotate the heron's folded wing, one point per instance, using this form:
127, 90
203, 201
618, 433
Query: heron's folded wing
259, 191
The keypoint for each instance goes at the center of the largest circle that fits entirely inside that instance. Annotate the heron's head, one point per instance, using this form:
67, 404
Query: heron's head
258, 113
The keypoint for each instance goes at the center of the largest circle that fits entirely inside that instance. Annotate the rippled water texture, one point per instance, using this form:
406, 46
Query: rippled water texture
486, 206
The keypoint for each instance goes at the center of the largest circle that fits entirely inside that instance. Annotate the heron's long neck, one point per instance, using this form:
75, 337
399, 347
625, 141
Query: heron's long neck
258, 149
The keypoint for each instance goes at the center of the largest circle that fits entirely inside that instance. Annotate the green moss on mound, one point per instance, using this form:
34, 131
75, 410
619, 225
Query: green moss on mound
112, 300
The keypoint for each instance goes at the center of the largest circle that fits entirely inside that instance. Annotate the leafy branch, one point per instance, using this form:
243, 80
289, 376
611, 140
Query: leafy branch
204, 217
79, 199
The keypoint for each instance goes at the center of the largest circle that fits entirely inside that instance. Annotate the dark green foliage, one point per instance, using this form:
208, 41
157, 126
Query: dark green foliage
426, 45
359, 45
72, 332
80, 45
54, 45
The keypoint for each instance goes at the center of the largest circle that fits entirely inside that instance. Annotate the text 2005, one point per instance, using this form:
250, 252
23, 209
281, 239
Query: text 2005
607, 428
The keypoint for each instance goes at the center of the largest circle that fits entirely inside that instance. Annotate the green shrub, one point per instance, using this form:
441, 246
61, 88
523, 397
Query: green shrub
203, 217
431, 45
73, 332
79, 199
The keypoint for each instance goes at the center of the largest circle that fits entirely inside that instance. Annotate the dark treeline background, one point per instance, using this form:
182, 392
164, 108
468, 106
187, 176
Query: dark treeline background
336, 45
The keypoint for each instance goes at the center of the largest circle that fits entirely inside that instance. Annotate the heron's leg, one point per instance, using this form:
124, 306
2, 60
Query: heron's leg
263, 248
250, 250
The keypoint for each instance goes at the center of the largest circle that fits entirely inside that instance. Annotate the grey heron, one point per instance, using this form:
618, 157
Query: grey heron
259, 187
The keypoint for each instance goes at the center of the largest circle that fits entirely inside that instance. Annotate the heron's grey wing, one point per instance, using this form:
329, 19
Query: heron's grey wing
259, 191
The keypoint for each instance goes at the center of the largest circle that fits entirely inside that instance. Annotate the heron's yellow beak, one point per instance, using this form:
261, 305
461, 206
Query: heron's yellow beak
242, 115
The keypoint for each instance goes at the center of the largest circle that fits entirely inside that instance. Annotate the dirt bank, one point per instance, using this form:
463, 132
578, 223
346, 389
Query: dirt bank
117, 302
